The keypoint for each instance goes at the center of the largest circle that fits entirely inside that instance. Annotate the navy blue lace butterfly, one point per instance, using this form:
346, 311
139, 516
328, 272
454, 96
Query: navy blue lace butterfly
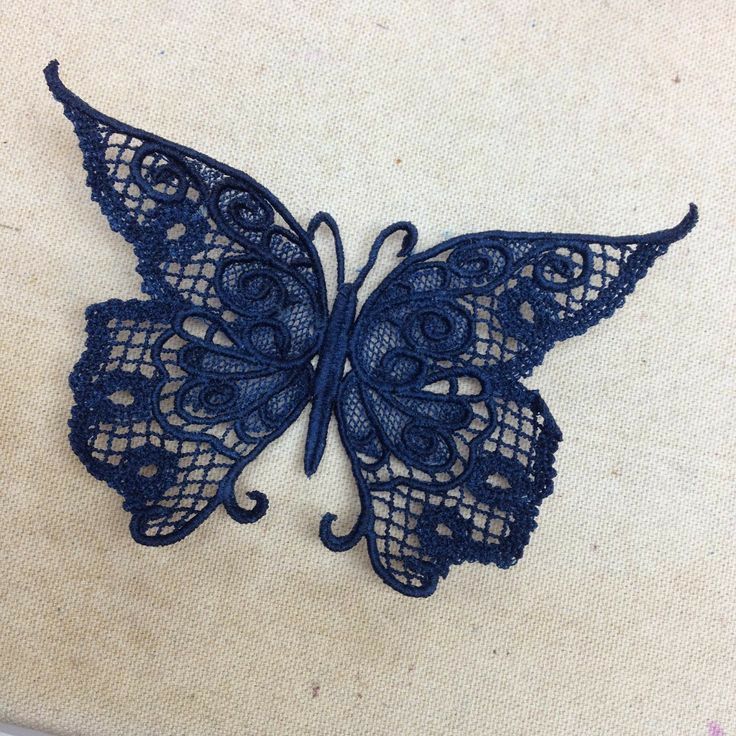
175, 395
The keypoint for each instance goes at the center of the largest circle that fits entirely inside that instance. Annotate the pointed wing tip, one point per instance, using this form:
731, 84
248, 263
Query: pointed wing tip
52, 68
51, 72
691, 218
680, 230
55, 85
661, 239
686, 224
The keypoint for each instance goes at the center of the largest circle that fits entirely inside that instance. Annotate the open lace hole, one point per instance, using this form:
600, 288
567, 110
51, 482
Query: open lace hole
176, 231
526, 312
469, 386
121, 398
444, 530
498, 481
148, 471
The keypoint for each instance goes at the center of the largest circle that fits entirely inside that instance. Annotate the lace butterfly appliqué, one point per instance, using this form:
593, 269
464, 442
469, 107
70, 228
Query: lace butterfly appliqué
176, 394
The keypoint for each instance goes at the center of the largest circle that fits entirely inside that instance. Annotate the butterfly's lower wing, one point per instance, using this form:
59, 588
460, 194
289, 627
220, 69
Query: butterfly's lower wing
451, 452
158, 432
473, 496
218, 363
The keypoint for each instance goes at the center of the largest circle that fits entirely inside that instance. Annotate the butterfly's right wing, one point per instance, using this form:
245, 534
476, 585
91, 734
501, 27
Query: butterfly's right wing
175, 395
451, 453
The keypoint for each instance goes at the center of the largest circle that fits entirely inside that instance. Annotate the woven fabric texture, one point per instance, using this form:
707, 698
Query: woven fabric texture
600, 117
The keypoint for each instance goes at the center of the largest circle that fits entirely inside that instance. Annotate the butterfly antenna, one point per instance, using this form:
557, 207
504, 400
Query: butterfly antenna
324, 218
407, 245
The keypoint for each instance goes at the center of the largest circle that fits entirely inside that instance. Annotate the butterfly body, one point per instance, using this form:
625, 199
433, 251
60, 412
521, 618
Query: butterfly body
336, 346
451, 452
329, 373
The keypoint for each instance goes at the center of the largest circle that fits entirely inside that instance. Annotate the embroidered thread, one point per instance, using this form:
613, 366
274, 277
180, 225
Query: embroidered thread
175, 395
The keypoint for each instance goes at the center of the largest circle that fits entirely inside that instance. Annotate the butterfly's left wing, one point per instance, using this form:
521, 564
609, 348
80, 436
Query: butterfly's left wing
452, 454
176, 394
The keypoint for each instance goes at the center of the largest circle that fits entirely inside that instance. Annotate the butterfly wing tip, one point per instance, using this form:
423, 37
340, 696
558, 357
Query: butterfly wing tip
51, 72
662, 239
55, 85
686, 224
692, 215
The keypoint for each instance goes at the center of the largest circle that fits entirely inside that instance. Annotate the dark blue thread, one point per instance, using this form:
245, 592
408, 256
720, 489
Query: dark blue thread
323, 218
452, 454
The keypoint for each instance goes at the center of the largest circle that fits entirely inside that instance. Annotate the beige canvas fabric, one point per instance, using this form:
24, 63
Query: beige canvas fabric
604, 117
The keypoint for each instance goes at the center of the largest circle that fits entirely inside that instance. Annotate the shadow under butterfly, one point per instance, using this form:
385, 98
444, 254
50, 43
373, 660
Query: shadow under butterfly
176, 394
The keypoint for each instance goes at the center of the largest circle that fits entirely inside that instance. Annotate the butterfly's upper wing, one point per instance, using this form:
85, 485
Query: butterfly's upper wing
176, 394
451, 452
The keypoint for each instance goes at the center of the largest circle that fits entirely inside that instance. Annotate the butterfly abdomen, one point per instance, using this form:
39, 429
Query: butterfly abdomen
329, 372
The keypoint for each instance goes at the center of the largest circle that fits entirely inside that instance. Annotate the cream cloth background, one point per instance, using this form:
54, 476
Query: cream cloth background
602, 117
